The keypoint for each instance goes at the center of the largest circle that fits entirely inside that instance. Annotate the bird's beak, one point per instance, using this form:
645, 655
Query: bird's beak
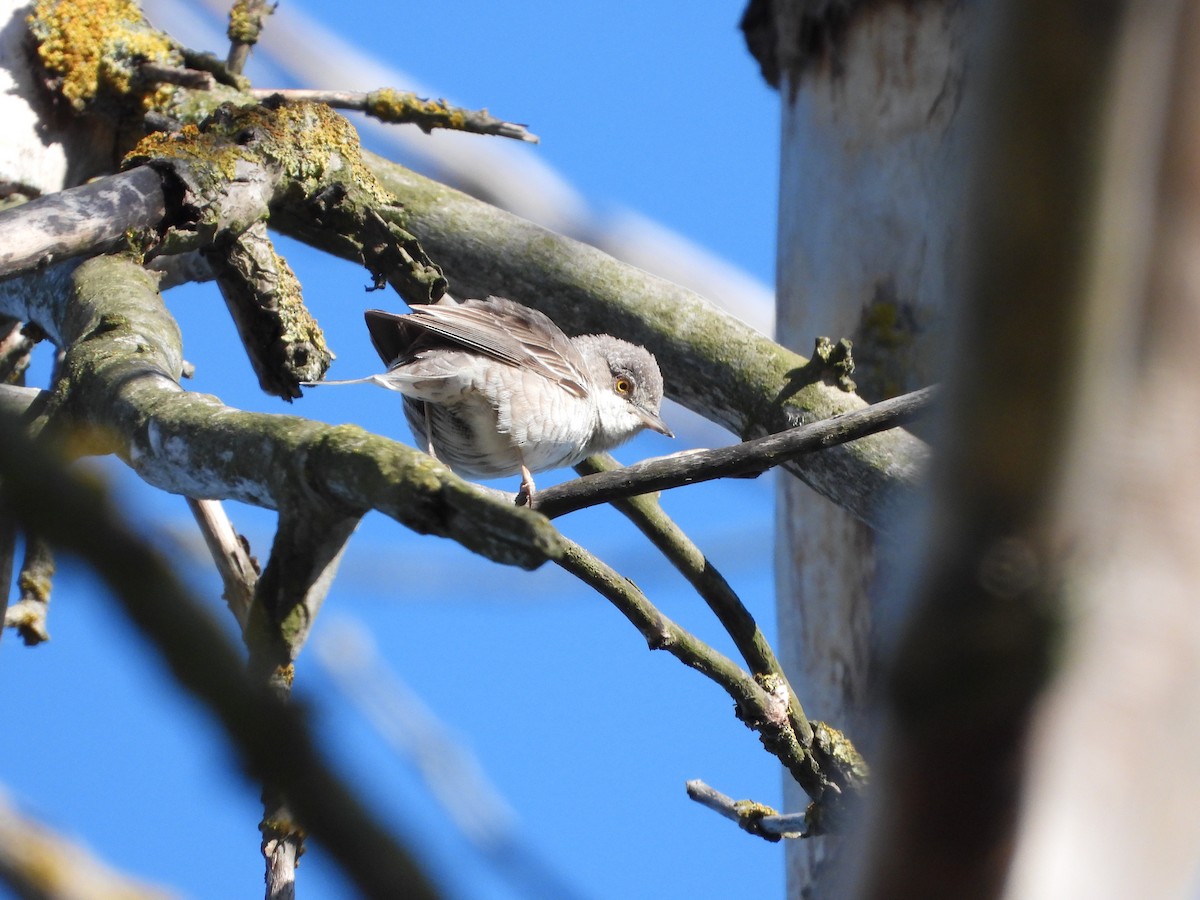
655, 423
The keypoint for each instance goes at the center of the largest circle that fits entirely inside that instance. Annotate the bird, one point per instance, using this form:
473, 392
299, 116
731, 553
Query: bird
493, 388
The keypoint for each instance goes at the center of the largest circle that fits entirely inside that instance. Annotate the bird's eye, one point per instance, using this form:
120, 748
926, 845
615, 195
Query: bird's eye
623, 386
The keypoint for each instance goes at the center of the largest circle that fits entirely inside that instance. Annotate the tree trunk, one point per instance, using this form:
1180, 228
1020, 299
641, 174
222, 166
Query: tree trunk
867, 230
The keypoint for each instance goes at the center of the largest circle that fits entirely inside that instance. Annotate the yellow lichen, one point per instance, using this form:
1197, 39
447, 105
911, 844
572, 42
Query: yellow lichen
312, 145
311, 142
390, 105
245, 22
193, 145
93, 49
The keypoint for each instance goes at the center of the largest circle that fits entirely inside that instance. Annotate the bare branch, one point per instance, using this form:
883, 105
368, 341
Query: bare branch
92, 218
231, 556
282, 858
762, 707
756, 818
308, 546
282, 605
748, 458
405, 107
284, 342
245, 24
28, 615
196, 79
648, 515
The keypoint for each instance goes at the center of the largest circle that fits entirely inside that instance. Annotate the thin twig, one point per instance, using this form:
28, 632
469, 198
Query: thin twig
766, 711
756, 818
304, 556
180, 75
404, 107
230, 554
245, 25
648, 515
28, 615
747, 458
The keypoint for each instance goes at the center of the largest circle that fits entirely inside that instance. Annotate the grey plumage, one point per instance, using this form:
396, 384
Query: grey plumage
493, 388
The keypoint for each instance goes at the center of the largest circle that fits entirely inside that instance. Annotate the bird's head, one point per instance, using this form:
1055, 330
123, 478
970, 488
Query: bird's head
629, 389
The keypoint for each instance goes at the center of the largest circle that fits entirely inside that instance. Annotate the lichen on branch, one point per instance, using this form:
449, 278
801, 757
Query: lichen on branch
92, 51
315, 184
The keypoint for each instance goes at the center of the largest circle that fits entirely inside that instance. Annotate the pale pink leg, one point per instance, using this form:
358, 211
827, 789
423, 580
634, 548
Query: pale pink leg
526, 492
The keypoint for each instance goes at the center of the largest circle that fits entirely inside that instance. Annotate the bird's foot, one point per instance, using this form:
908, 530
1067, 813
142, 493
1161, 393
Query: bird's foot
525, 494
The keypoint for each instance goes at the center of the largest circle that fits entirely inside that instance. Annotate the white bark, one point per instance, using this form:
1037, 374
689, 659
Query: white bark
41, 152
868, 197
25, 161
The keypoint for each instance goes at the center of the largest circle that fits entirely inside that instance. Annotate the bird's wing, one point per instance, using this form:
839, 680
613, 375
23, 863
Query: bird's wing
392, 335
495, 327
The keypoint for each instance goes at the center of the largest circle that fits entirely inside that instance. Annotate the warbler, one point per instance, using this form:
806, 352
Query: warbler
493, 388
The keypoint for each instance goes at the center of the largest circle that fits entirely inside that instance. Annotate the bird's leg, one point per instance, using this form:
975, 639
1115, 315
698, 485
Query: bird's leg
525, 494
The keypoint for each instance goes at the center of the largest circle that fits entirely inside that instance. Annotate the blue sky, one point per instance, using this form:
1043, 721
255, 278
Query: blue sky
587, 736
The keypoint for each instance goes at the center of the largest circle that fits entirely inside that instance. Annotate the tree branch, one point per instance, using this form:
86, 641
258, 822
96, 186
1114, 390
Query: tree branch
120, 386
284, 342
647, 514
747, 458
231, 556
404, 107
92, 218
763, 708
756, 818
308, 546
245, 25
28, 615
282, 605
712, 363
196, 79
